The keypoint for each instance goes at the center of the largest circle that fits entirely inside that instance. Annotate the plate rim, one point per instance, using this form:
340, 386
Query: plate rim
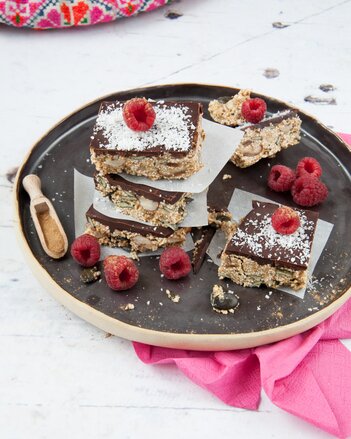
116, 327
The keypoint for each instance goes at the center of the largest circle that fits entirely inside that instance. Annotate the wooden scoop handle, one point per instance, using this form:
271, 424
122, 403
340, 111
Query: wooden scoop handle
32, 185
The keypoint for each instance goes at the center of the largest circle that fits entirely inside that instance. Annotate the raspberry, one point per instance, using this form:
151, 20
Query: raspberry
253, 110
138, 114
120, 272
308, 166
175, 263
281, 178
308, 191
86, 250
285, 220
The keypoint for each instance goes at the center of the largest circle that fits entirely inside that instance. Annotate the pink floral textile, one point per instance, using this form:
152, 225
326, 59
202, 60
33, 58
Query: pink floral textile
51, 14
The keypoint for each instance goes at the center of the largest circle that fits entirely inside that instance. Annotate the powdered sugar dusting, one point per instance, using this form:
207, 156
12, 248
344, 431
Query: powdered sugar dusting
172, 129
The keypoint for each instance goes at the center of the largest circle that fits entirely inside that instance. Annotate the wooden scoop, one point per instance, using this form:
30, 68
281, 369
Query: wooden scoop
48, 226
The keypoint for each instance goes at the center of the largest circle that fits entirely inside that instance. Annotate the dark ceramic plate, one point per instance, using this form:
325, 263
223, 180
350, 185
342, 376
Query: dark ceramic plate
191, 323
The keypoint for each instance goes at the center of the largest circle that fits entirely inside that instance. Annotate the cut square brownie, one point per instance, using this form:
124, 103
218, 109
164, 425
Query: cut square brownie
258, 255
170, 149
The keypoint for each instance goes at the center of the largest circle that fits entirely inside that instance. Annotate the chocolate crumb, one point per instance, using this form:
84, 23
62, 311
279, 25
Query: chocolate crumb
223, 302
90, 275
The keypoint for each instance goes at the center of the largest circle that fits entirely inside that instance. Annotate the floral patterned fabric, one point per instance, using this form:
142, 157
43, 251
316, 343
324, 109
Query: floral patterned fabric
50, 14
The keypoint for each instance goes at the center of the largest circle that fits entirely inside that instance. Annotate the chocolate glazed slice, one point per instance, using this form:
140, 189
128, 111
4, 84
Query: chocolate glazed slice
201, 246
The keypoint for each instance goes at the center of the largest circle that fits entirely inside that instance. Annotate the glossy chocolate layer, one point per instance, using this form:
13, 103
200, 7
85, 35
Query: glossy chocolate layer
128, 226
256, 240
272, 120
194, 111
201, 247
148, 192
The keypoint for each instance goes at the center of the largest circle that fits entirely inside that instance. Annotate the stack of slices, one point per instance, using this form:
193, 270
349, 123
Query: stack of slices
152, 139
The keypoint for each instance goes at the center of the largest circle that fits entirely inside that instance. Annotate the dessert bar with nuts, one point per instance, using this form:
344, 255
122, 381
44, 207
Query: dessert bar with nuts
132, 235
169, 149
267, 138
263, 139
258, 255
145, 203
227, 110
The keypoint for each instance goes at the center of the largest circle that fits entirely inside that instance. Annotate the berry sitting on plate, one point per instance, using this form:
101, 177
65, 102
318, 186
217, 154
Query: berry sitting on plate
121, 273
308, 191
175, 263
281, 178
308, 166
86, 250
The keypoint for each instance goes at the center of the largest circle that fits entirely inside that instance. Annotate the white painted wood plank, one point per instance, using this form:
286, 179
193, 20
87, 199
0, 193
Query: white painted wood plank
60, 376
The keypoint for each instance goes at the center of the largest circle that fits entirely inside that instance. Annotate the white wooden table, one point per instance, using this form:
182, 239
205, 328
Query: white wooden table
59, 376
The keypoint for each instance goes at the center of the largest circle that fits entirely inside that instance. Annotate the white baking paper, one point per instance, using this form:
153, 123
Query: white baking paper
84, 190
240, 205
219, 145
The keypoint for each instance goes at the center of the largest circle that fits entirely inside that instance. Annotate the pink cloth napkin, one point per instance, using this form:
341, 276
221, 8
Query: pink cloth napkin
308, 375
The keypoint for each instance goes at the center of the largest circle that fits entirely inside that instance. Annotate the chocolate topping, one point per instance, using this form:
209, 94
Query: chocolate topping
193, 111
256, 239
272, 120
143, 190
201, 247
129, 226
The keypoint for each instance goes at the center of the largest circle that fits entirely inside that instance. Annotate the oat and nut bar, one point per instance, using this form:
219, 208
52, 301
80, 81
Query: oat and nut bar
258, 255
267, 138
170, 149
142, 202
132, 235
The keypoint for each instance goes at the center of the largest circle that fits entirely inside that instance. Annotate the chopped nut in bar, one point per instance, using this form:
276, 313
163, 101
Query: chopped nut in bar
144, 203
267, 138
132, 235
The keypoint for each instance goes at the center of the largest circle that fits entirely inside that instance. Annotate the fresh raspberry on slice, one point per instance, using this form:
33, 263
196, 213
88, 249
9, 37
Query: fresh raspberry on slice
175, 263
308, 166
281, 178
285, 220
120, 272
86, 250
253, 110
139, 114
308, 191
